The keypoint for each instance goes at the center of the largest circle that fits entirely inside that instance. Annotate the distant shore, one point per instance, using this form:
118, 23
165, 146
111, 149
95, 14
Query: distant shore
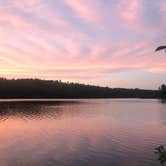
49, 89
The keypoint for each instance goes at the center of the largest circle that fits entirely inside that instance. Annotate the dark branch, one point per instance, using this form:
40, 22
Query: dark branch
160, 48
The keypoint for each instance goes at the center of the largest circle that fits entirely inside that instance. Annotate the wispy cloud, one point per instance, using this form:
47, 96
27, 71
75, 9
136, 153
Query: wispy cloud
78, 40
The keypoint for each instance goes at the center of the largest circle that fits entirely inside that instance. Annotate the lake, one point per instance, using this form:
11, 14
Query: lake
81, 132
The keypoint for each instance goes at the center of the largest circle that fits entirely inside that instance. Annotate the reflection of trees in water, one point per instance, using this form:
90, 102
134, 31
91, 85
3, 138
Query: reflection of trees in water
32, 109
162, 111
163, 101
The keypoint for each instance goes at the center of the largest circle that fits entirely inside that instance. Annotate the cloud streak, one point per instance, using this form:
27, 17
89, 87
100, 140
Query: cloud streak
78, 41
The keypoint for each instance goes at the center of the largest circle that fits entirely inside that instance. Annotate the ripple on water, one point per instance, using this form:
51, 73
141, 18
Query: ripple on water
81, 132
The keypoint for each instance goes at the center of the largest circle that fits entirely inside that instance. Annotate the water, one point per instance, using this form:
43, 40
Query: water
95, 132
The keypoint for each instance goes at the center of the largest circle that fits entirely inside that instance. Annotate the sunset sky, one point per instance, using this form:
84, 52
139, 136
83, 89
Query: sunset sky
101, 42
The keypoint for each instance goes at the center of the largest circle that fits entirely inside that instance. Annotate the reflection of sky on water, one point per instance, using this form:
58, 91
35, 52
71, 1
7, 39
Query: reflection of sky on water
94, 132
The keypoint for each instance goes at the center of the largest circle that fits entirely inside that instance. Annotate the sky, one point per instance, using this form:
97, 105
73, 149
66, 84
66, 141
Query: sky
101, 42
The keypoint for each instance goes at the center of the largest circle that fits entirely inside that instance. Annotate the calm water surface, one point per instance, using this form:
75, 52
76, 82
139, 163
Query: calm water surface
95, 132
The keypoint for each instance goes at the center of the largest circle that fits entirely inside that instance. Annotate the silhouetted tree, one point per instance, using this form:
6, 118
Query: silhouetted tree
162, 90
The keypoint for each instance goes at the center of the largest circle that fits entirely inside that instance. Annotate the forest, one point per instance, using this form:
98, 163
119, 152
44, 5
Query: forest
36, 88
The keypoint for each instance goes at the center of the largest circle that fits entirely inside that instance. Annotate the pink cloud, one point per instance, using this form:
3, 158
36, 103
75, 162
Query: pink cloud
163, 7
130, 13
37, 37
89, 11
130, 10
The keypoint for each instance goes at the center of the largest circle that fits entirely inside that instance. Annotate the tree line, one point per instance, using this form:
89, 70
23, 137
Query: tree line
36, 88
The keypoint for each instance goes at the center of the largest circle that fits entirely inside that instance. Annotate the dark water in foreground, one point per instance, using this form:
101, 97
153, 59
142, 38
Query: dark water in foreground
101, 132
